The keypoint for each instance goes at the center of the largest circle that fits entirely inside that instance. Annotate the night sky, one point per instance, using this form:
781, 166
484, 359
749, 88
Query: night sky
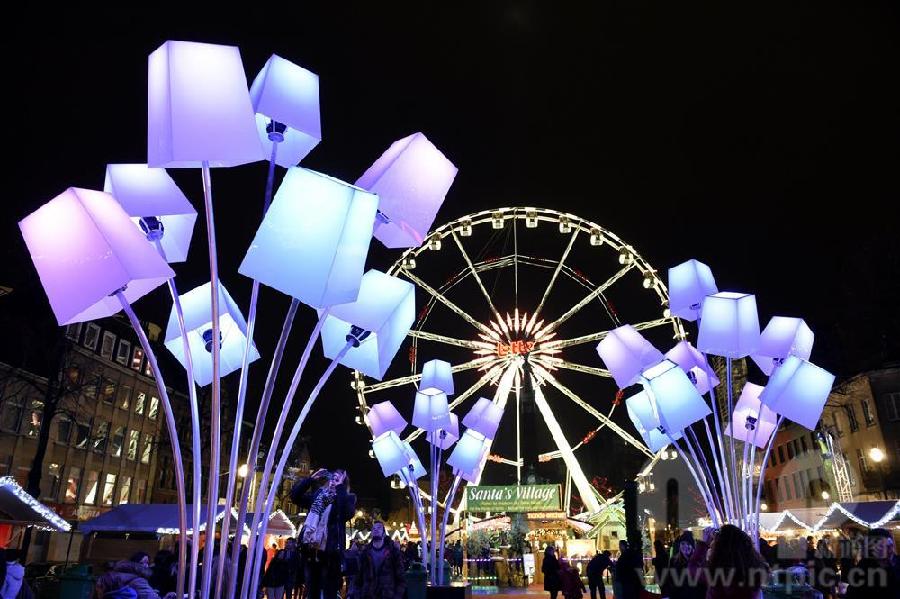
764, 142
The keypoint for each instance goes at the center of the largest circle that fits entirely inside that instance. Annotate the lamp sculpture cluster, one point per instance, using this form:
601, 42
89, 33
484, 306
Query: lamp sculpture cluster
98, 252
671, 409
432, 416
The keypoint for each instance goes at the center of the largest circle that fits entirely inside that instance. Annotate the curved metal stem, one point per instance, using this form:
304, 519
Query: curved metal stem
762, 474
173, 439
448, 502
708, 480
734, 486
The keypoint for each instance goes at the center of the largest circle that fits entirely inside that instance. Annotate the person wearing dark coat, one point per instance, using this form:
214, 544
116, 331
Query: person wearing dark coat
330, 504
165, 571
381, 574
878, 573
276, 576
550, 570
595, 568
629, 571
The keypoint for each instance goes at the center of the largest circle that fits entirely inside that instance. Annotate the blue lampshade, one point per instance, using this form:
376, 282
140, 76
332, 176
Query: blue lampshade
626, 353
750, 423
411, 179
781, 338
383, 417
390, 452
288, 94
386, 308
150, 192
468, 453
692, 362
197, 321
798, 390
446, 437
437, 377
431, 412
484, 418
645, 418
729, 325
677, 401
198, 107
689, 284
414, 469
313, 241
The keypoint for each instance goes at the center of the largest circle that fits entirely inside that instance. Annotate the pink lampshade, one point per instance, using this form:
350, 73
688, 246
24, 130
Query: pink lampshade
626, 353
729, 325
383, 417
484, 417
449, 436
468, 455
85, 248
781, 338
692, 362
411, 179
390, 452
689, 284
431, 412
747, 418
798, 390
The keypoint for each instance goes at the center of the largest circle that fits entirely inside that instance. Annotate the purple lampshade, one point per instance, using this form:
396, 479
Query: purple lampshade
645, 417
798, 390
626, 353
677, 402
389, 451
150, 192
414, 468
85, 248
411, 179
692, 362
431, 412
689, 284
748, 418
781, 338
468, 454
198, 107
450, 436
484, 417
383, 417
729, 325
288, 94
437, 377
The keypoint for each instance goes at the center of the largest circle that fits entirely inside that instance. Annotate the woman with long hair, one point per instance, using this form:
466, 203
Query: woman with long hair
736, 569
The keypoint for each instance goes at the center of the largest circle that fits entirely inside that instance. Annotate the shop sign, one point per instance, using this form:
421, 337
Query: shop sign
513, 498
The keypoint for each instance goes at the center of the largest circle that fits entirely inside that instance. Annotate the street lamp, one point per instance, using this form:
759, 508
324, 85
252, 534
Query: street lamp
242, 471
877, 456
825, 496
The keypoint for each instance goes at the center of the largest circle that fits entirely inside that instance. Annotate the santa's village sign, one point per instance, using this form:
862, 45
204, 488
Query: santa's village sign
525, 498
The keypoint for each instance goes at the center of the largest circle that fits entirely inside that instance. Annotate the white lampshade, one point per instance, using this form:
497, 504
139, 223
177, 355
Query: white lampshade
450, 434
781, 338
198, 323
484, 417
692, 362
437, 377
288, 94
383, 417
386, 308
313, 241
390, 452
150, 192
85, 248
729, 325
798, 390
411, 179
414, 468
626, 353
431, 412
677, 401
468, 453
645, 418
689, 284
198, 107
750, 424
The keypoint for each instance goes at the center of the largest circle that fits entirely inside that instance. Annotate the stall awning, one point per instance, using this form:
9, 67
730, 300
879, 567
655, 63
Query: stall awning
159, 518
868, 514
18, 507
279, 524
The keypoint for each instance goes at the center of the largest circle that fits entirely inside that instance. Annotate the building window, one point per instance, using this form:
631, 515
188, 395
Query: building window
837, 426
799, 491
851, 418
22, 473
148, 449
863, 461
139, 403
787, 488
118, 438
35, 414
137, 358
134, 438
91, 385
12, 414
867, 413
804, 483
101, 435
140, 491
124, 352
92, 333
73, 331
63, 430
53, 480
154, 408
125, 489
109, 342
109, 487
781, 454
790, 450
892, 405
107, 390
82, 435
124, 397
72, 483
90, 494
803, 444
147, 370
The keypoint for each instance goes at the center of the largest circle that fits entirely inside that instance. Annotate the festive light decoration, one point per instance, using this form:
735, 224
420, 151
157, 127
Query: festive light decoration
384, 417
390, 452
626, 354
674, 397
798, 390
445, 438
437, 377
9, 485
692, 362
689, 284
484, 417
781, 338
729, 325
646, 420
752, 422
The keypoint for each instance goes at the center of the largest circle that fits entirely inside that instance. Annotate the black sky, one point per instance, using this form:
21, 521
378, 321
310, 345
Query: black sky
764, 142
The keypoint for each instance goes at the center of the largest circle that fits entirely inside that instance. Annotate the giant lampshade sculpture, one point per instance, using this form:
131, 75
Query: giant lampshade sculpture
411, 178
384, 417
689, 284
431, 412
437, 377
92, 262
645, 418
752, 421
781, 338
626, 354
675, 398
484, 418
692, 362
798, 390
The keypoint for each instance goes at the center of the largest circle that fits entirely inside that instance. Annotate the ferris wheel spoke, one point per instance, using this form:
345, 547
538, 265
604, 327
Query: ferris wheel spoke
556, 272
545, 375
588, 299
554, 362
414, 378
476, 345
599, 335
441, 298
474, 272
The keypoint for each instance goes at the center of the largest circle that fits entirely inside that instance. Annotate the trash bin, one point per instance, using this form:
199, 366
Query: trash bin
76, 583
416, 581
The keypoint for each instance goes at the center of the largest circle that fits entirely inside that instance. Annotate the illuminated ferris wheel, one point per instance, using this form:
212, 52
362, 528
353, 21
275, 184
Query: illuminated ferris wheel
516, 299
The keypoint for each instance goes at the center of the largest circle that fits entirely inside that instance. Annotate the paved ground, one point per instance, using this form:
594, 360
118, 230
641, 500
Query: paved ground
532, 592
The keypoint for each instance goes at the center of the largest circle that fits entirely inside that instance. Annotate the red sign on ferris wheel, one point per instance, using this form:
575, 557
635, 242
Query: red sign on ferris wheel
519, 348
